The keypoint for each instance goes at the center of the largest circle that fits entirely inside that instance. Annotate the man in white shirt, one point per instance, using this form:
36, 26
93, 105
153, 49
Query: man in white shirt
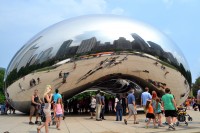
144, 98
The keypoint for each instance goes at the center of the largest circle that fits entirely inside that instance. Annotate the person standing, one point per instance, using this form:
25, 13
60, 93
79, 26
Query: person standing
59, 111
102, 107
92, 106
198, 98
132, 107
56, 95
35, 105
170, 108
118, 108
144, 97
98, 105
47, 109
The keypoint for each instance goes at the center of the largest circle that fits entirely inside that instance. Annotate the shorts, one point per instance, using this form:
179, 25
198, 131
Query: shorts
92, 110
170, 113
131, 109
150, 116
33, 110
59, 115
158, 113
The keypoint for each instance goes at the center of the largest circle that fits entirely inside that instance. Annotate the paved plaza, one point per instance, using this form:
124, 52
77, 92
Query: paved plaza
18, 123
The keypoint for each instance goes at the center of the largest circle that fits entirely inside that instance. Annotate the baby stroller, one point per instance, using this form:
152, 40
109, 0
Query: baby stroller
43, 117
182, 114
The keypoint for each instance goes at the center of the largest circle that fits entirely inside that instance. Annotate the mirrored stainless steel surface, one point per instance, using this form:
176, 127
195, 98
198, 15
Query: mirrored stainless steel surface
107, 52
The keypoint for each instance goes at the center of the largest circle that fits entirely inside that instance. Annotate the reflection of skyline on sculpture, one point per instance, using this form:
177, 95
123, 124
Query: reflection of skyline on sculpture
93, 45
102, 31
109, 53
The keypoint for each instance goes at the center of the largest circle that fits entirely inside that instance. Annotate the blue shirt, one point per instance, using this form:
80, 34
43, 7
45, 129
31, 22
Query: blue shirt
131, 98
145, 96
56, 96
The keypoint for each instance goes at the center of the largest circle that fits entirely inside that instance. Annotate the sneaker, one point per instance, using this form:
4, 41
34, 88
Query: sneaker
155, 126
36, 122
160, 125
125, 121
146, 127
172, 126
31, 123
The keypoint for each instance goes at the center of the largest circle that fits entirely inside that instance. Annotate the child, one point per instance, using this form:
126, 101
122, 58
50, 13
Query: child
59, 111
150, 114
158, 112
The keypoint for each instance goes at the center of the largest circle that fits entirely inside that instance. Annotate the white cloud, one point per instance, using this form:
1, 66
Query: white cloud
167, 31
168, 3
117, 11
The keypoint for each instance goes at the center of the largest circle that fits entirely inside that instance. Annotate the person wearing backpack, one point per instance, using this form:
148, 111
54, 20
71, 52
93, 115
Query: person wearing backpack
118, 108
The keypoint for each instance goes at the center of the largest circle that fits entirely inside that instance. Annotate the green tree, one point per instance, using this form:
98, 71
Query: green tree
2, 97
196, 86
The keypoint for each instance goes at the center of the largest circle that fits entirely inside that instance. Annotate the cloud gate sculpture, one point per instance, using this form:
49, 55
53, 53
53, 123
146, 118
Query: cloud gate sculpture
105, 52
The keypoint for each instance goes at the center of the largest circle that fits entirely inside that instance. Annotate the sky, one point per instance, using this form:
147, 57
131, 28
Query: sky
20, 20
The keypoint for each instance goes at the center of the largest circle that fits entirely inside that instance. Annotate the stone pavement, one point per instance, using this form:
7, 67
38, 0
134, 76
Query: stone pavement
18, 123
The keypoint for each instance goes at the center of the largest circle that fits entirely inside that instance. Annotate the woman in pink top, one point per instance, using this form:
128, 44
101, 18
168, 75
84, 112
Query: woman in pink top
59, 111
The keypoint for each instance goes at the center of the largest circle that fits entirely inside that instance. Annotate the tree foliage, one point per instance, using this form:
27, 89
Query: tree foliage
2, 97
196, 86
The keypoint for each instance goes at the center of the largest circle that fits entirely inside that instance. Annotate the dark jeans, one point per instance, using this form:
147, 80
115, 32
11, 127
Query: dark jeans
124, 109
199, 107
102, 112
119, 114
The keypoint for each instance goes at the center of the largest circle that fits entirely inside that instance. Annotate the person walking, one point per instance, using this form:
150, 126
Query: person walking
118, 108
170, 108
98, 105
92, 107
102, 107
158, 112
59, 111
47, 109
35, 105
150, 114
144, 97
132, 107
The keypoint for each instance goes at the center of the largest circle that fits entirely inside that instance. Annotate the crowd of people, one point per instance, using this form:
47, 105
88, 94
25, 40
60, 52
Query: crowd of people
54, 106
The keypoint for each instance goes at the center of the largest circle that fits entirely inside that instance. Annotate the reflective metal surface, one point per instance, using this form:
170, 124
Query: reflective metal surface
111, 53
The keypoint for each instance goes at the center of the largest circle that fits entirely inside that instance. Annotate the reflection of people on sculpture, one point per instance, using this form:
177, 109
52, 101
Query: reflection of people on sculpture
21, 88
65, 75
38, 79
74, 67
146, 71
166, 73
163, 67
103, 64
32, 82
60, 74
156, 63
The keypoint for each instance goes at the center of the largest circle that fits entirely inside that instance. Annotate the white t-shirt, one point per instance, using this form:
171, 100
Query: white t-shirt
198, 93
93, 103
116, 100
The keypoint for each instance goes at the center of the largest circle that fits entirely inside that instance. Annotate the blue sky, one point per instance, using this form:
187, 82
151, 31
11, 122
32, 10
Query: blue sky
179, 19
